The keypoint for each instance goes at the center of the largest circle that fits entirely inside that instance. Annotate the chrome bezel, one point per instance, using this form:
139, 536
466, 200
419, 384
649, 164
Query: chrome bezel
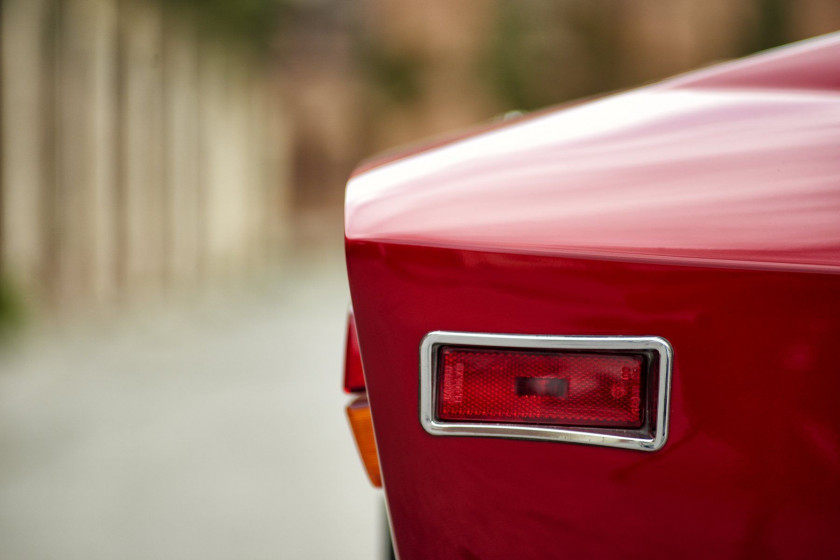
627, 439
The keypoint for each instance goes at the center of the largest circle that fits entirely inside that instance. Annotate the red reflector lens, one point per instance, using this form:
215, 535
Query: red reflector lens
354, 375
541, 387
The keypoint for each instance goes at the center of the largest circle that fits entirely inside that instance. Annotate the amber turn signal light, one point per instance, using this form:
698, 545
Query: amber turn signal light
358, 413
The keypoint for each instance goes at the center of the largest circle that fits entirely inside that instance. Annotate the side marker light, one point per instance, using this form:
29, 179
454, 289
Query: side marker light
610, 391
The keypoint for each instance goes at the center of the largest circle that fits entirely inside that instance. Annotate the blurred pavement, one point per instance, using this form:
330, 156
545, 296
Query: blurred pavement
206, 431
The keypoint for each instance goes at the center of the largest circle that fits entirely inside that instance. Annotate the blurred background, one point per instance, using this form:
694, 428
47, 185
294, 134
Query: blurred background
172, 291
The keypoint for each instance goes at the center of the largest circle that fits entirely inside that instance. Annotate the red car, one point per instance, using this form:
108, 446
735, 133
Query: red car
611, 330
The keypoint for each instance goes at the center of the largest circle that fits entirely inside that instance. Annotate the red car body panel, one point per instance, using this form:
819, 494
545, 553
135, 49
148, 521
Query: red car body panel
705, 210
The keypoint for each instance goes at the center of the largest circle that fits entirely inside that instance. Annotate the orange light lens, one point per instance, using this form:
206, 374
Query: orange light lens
361, 422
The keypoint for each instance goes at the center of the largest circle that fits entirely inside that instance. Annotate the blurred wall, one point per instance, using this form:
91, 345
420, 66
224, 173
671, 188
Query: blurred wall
139, 152
375, 74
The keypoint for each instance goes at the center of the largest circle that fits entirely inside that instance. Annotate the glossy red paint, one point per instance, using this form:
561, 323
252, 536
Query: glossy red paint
709, 216
662, 173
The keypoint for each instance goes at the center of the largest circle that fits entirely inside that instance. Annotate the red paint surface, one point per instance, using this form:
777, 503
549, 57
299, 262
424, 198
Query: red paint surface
665, 172
710, 218
752, 465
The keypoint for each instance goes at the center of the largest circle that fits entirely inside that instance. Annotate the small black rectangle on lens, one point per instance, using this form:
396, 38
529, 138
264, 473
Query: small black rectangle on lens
542, 387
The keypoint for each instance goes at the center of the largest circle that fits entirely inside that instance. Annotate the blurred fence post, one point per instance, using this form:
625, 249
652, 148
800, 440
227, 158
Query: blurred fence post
85, 173
26, 63
141, 178
181, 155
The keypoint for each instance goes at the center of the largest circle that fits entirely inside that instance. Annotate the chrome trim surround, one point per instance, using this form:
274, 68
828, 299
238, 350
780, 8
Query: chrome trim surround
650, 438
